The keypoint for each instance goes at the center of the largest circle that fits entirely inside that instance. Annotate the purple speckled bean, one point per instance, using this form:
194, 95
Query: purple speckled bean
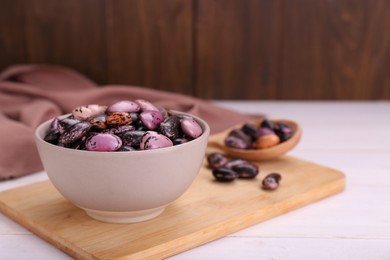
216, 160
146, 105
234, 162
271, 181
54, 124
74, 133
267, 123
154, 140
239, 133
66, 123
235, 142
124, 106
250, 130
79, 144
190, 127
262, 131
103, 143
246, 171
170, 127
119, 129
283, 131
126, 148
132, 138
151, 119
53, 133
52, 136
163, 111
181, 140
224, 174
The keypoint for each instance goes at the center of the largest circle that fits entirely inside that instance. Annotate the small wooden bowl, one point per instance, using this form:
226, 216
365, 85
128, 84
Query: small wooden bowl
217, 141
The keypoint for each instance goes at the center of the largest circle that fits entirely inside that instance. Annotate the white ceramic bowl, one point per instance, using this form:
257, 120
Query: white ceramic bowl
122, 187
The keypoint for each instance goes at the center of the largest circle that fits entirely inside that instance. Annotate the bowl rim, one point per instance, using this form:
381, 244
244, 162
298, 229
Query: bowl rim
203, 123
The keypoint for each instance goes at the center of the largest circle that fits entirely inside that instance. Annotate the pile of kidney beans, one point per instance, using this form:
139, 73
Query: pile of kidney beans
125, 125
228, 170
266, 135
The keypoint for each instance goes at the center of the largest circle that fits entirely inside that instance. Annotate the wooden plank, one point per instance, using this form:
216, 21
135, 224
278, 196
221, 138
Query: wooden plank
12, 32
150, 44
237, 49
208, 210
335, 50
69, 33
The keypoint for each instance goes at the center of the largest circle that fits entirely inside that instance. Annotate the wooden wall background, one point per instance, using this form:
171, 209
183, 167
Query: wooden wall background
215, 49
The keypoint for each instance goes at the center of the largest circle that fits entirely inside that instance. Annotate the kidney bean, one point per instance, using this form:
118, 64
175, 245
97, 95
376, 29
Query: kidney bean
239, 133
267, 141
54, 124
146, 105
74, 133
98, 122
124, 106
271, 181
180, 140
233, 162
283, 131
153, 140
250, 130
52, 136
170, 127
79, 144
125, 148
216, 160
132, 138
85, 112
235, 142
190, 127
103, 143
66, 123
118, 118
118, 130
262, 131
267, 124
223, 174
151, 119
246, 170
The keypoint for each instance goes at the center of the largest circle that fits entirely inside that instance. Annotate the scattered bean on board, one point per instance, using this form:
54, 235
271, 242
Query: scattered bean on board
228, 170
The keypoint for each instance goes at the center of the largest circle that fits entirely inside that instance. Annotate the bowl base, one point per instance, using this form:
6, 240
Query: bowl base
124, 217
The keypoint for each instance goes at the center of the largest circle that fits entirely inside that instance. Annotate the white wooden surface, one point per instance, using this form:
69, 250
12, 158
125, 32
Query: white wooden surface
353, 137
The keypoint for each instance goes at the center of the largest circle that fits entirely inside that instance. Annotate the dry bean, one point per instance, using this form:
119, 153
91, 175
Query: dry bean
271, 181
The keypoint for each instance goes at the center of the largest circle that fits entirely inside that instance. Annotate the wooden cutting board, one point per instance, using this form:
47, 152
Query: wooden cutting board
207, 211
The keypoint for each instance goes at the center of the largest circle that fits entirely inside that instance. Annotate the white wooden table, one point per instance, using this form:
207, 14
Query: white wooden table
353, 137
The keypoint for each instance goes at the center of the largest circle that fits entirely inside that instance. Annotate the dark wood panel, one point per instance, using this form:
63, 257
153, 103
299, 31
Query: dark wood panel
237, 49
69, 33
220, 49
335, 49
150, 43
12, 41
377, 83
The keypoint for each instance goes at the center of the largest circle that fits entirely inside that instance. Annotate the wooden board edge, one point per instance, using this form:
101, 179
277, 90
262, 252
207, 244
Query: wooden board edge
41, 232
